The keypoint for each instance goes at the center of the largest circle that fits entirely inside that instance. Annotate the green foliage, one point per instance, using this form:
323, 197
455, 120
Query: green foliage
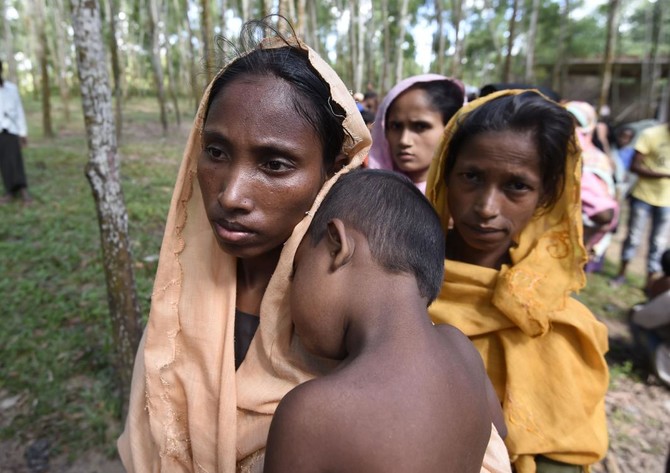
55, 346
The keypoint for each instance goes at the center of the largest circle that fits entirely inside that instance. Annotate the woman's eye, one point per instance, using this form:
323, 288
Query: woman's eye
276, 165
518, 186
470, 176
214, 152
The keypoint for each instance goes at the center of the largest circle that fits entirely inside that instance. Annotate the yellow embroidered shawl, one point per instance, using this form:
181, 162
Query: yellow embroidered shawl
543, 350
189, 409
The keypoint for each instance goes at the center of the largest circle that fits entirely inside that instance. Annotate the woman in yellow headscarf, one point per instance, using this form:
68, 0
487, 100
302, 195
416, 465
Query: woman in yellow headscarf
506, 186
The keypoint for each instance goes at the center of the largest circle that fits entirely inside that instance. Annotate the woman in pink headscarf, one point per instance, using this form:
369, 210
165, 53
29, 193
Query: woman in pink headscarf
409, 124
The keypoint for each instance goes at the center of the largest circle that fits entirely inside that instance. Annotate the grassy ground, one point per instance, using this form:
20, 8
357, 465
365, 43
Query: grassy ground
55, 371
56, 380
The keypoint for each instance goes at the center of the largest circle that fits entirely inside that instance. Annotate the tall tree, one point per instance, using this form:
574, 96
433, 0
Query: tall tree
43, 60
529, 76
456, 19
103, 175
8, 41
116, 66
612, 27
507, 69
207, 35
441, 36
61, 48
559, 72
156, 64
400, 52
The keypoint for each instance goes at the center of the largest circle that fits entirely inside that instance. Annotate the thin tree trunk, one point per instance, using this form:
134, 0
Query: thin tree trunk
360, 53
558, 75
660, 17
172, 87
116, 68
353, 48
103, 175
300, 24
245, 10
156, 63
313, 26
456, 18
61, 46
385, 81
497, 43
400, 54
8, 40
195, 86
507, 69
43, 60
529, 76
206, 26
612, 27
441, 39
224, 44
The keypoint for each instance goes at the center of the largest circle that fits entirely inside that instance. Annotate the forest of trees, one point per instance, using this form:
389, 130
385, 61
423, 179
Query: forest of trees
171, 47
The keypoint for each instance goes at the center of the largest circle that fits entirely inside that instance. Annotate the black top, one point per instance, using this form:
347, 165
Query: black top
245, 328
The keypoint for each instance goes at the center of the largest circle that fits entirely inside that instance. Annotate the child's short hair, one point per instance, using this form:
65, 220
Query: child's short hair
665, 262
403, 231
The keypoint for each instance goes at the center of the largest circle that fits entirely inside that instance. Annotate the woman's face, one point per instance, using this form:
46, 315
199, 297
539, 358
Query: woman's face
493, 192
260, 168
413, 130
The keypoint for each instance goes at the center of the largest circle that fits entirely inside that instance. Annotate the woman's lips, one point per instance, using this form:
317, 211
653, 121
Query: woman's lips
232, 232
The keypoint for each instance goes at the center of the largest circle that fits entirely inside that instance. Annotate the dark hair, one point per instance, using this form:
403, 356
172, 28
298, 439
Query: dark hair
312, 100
444, 96
665, 262
368, 116
552, 127
370, 95
402, 228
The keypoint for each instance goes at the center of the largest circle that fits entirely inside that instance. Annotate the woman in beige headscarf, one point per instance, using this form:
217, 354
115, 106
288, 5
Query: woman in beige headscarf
272, 130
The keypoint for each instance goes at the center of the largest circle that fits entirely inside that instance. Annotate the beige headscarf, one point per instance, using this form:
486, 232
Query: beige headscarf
543, 350
189, 409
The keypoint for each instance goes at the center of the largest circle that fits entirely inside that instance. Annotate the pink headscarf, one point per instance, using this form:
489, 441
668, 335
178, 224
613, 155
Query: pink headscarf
380, 153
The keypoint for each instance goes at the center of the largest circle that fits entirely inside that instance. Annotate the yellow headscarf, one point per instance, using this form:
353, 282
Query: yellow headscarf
189, 409
543, 350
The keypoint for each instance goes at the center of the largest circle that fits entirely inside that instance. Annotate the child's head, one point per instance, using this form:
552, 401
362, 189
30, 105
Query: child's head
402, 229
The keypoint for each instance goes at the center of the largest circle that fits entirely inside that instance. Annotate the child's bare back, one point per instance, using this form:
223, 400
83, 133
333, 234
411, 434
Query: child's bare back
407, 396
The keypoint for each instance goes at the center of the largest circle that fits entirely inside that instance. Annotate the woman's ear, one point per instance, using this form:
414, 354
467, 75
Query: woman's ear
340, 245
341, 160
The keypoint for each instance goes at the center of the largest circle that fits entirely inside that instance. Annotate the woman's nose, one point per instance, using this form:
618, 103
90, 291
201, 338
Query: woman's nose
236, 190
487, 205
406, 137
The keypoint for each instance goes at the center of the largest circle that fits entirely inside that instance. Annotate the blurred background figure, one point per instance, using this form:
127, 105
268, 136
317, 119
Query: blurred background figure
13, 136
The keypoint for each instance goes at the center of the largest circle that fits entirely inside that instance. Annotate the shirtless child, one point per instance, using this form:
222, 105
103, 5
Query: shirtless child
407, 396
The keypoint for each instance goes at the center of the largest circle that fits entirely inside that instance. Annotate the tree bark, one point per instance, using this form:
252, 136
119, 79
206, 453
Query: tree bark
400, 54
116, 68
507, 69
612, 27
8, 40
529, 76
43, 59
456, 18
156, 64
559, 72
659, 33
441, 39
103, 175
206, 27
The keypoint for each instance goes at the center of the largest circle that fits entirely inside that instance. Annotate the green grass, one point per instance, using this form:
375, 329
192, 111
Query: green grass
55, 342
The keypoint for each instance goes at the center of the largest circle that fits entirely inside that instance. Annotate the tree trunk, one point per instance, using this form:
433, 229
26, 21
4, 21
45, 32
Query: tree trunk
196, 89
156, 64
224, 44
245, 10
61, 47
301, 21
116, 68
206, 26
43, 59
8, 41
529, 76
385, 81
507, 69
441, 39
360, 53
103, 175
400, 53
353, 48
612, 27
559, 73
456, 17
313, 27
659, 33
172, 86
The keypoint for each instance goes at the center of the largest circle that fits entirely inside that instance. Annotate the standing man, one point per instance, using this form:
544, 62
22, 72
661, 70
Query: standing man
650, 196
13, 135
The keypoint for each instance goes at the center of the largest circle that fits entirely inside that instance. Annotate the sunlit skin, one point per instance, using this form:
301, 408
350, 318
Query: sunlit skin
259, 171
413, 130
493, 192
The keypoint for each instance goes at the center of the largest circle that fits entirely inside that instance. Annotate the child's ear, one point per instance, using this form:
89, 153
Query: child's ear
340, 244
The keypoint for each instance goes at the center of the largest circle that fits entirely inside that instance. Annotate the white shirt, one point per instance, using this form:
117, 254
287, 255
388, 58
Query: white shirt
12, 117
